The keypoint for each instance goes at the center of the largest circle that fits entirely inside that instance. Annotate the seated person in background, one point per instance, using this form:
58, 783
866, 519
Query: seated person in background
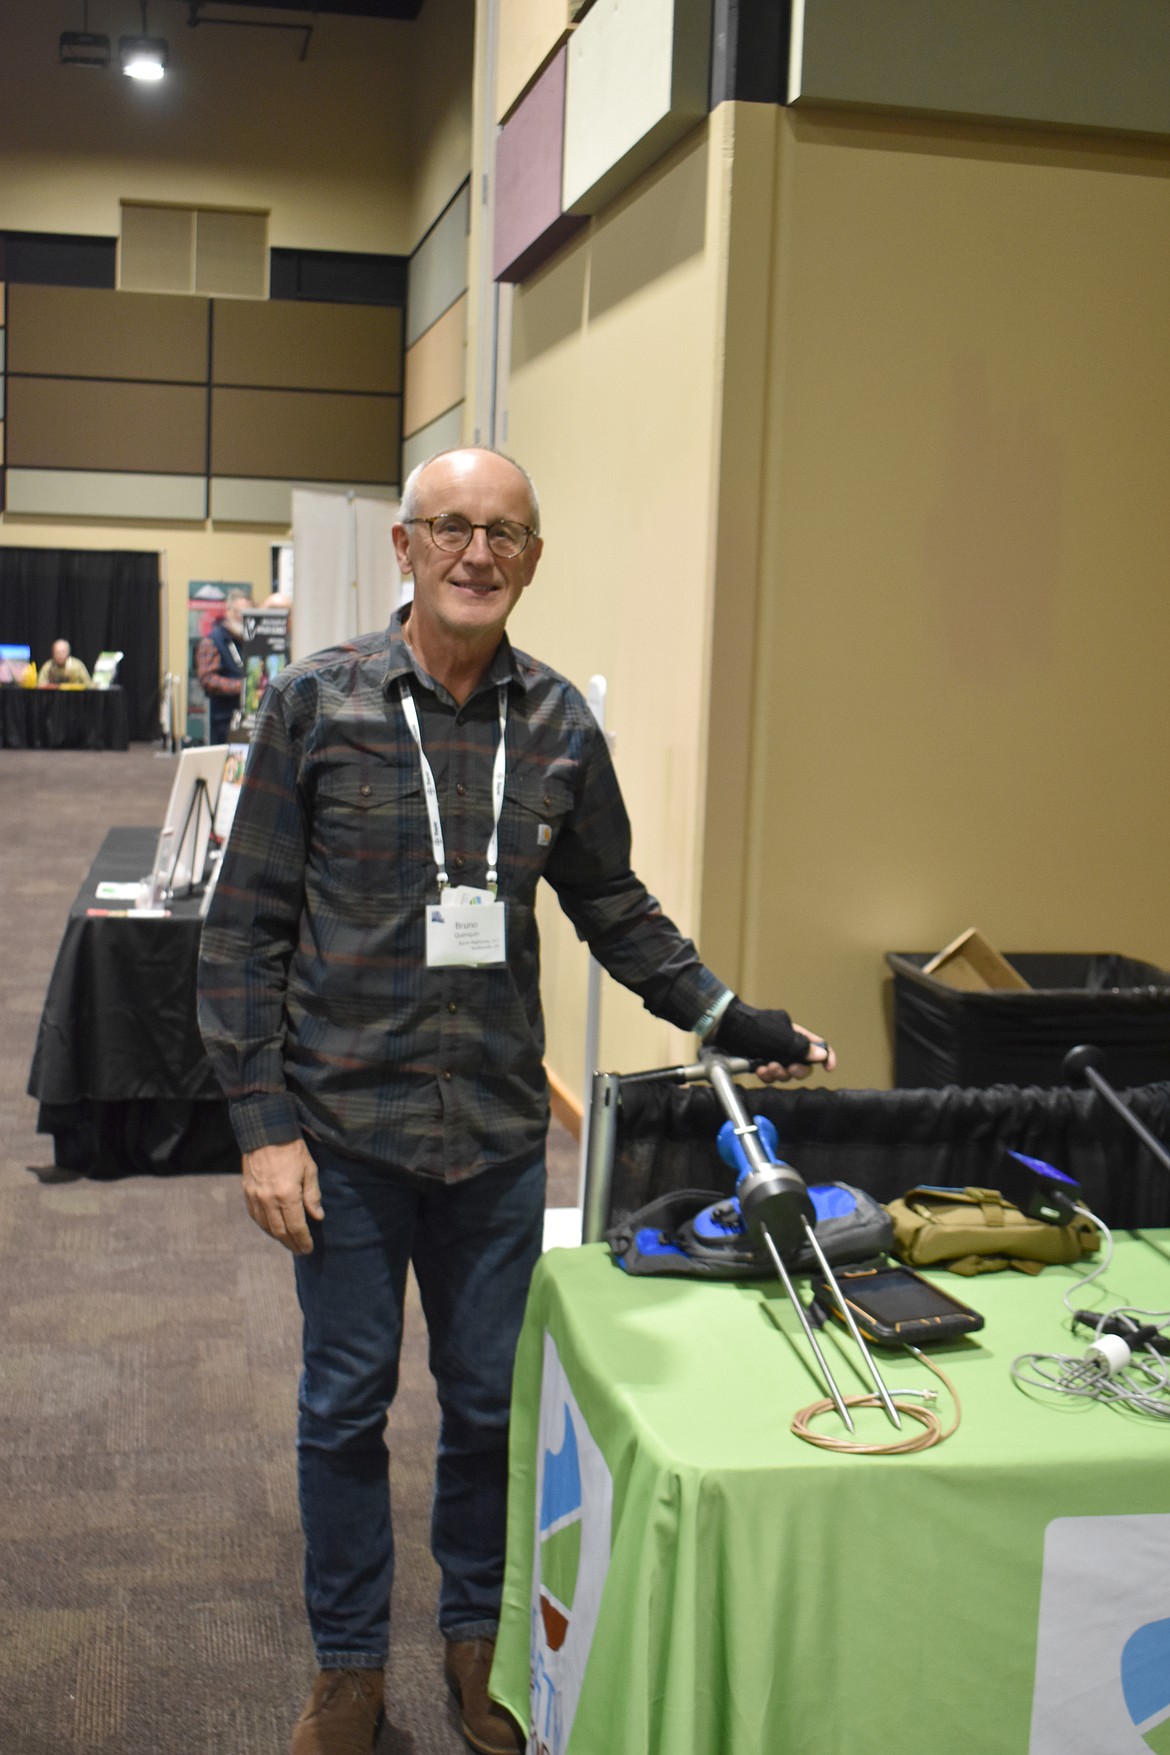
219, 665
62, 667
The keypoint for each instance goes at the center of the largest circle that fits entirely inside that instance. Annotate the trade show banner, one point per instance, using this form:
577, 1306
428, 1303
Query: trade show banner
1103, 1647
265, 653
570, 1557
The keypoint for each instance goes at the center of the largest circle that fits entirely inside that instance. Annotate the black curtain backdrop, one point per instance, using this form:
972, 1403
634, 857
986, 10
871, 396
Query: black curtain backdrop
98, 600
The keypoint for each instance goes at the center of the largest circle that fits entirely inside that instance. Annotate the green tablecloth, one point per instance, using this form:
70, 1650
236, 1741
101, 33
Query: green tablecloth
713, 1586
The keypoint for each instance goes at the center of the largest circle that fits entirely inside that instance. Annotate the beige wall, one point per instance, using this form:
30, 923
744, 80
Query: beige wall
356, 148
960, 709
326, 144
528, 32
442, 48
613, 404
880, 413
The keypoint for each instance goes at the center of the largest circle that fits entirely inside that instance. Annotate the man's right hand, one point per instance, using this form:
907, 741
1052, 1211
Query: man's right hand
280, 1186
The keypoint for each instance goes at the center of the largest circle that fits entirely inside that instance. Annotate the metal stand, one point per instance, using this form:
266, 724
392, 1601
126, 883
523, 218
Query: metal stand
772, 1197
774, 1201
1082, 1063
200, 800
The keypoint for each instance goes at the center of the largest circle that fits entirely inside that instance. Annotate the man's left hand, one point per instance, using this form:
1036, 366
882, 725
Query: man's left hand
821, 1059
781, 1049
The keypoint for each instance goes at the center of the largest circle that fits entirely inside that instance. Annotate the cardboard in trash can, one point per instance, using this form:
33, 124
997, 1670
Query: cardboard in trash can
944, 1035
969, 962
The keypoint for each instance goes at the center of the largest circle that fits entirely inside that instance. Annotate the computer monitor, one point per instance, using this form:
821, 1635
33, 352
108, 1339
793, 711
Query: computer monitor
14, 661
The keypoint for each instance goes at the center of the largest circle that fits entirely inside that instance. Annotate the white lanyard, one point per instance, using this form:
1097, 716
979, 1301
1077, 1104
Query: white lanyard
431, 791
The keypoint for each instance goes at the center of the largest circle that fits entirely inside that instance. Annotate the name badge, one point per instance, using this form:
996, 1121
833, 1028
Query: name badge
465, 929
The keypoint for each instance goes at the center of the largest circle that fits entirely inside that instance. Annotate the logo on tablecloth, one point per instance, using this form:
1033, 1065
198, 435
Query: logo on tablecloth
560, 1535
1103, 1642
574, 1503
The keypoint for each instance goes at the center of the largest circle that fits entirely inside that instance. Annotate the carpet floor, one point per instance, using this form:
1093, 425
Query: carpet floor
149, 1546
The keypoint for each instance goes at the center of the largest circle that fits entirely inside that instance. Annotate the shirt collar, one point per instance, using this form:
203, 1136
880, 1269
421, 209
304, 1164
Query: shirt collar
400, 661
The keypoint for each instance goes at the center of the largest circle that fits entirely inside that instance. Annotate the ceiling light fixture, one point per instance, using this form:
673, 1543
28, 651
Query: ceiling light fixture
83, 48
143, 57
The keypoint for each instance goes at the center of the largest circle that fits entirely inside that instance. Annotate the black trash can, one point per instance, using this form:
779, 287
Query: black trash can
948, 1036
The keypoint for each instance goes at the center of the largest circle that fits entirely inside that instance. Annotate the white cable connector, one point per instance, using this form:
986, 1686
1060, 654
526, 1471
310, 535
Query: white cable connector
1109, 1353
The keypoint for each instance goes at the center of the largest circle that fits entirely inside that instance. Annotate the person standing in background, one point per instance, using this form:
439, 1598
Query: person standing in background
219, 665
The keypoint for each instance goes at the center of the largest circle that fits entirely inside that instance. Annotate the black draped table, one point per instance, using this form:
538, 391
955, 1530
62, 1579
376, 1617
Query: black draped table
887, 1141
63, 719
119, 1068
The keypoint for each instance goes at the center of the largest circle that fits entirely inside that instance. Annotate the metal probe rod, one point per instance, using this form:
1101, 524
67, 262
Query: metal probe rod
1104, 1089
851, 1325
810, 1334
749, 1138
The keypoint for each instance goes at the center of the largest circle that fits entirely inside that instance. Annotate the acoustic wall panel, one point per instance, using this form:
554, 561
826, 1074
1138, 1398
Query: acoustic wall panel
49, 493
240, 500
231, 254
90, 332
297, 345
438, 268
237, 500
444, 434
83, 423
530, 222
156, 252
1079, 63
305, 435
637, 82
435, 368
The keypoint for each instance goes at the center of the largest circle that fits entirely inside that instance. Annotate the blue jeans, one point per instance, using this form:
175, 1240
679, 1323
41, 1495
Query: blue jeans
474, 1245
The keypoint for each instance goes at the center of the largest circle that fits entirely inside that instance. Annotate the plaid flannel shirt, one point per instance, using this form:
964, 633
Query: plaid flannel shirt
317, 1006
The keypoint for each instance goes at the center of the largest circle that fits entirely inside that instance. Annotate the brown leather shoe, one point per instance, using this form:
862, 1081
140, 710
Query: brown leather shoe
342, 1715
489, 1728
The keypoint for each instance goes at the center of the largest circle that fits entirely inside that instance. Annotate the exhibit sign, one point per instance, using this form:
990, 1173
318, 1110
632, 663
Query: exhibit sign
265, 653
1103, 1642
570, 1560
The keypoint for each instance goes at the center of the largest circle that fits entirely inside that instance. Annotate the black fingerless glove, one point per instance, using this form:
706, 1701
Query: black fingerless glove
759, 1036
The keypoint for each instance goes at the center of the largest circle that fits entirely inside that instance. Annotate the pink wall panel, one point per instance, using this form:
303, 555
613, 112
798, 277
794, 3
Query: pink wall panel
530, 223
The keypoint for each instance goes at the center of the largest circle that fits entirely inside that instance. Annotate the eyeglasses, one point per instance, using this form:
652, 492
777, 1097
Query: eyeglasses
452, 532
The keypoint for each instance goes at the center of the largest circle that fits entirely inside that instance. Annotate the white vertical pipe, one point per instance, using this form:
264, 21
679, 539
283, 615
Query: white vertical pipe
596, 696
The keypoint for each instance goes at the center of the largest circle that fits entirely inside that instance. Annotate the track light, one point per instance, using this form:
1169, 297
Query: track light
83, 48
143, 57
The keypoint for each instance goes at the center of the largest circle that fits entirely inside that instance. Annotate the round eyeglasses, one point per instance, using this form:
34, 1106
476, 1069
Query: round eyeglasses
452, 532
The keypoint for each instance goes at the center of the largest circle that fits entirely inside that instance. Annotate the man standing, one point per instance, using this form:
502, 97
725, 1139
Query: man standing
369, 996
219, 665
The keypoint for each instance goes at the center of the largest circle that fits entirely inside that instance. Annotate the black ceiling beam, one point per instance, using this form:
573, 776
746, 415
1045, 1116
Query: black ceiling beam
749, 51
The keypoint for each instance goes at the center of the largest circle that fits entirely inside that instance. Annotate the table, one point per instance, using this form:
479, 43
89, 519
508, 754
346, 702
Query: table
63, 719
119, 1067
713, 1586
